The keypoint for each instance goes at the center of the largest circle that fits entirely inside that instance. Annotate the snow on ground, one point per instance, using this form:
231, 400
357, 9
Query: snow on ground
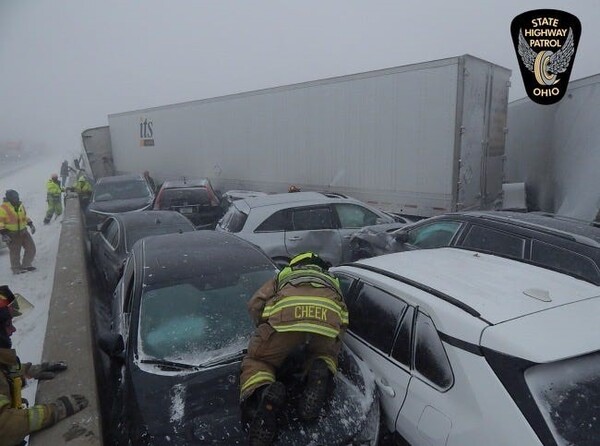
30, 181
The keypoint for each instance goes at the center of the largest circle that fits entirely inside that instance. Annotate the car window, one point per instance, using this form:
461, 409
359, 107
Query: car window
492, 240
346, 283
192, 196
374, 317
354, 216
121, 190
431, 360
110, 231
233, 220
128, 281
308, 219
279, 221
401, 350
433, 235
564, 260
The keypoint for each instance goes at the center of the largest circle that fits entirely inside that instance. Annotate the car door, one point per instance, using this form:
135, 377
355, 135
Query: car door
313, 229
270, 235
434, 234
377, 318
351, 217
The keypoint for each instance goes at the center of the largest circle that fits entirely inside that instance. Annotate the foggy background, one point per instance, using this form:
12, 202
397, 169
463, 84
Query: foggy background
66, 64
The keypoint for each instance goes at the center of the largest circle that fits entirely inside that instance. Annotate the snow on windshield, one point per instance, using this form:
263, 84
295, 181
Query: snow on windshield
568, 395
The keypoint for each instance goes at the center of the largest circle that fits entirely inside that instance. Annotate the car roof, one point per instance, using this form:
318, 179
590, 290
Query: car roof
494, 288
151, 218
197, 182
561, 226
173, 257
120, 178
288, 198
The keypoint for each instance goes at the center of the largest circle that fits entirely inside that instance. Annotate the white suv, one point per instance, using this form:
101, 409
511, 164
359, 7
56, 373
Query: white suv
473, 349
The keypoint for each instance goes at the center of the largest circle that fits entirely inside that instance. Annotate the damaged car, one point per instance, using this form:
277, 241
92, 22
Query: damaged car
180, 329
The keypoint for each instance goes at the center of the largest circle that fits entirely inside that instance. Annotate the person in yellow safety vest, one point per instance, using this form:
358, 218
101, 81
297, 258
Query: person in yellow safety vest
84, 190
13, 229
303, 304
17, 420
54, 192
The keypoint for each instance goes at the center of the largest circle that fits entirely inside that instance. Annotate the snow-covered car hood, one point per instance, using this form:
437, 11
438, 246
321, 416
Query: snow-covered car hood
114, 206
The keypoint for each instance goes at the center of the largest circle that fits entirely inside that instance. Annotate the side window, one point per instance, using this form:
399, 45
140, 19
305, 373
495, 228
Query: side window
431, 360
562, 259
354, 216
374, 317
111, 233
279, 221
401, 350
434, 235
346, 283
492, 240
306, 219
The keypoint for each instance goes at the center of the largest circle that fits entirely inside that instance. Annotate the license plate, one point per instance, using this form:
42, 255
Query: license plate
186, 210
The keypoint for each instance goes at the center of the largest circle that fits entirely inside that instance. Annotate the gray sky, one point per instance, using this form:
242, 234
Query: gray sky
66, 64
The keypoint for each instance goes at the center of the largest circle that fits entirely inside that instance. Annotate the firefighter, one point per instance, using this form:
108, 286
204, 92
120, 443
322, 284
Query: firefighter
303, 304
64, 173
16, 419
84, 190
293, 188
54, 191
13, 228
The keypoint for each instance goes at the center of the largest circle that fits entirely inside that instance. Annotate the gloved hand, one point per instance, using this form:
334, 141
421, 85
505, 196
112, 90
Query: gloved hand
67, 405
31, 226
46, 370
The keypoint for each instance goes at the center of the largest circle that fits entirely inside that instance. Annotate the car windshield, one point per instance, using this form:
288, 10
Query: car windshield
121, 190
568, 395
133, 235
185, 197
196, 320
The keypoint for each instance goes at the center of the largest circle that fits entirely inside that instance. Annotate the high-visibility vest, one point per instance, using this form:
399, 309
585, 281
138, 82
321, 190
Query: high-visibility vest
307, 300
53, 188
11, 219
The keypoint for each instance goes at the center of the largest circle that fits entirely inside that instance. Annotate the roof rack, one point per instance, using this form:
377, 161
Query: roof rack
443, 296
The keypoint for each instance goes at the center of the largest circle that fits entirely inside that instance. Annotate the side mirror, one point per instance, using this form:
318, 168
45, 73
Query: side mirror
401, 237
113, 345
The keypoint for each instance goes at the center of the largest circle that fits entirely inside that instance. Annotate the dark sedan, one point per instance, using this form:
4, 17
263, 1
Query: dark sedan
117, 235
551, 241
115, 194
180, 328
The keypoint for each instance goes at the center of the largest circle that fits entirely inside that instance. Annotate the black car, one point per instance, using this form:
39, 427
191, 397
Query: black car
115, 194
117, 235
551, 241
195, 199
179, 331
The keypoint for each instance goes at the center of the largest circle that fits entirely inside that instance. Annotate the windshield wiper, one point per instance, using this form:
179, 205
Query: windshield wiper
224, 359
165, 365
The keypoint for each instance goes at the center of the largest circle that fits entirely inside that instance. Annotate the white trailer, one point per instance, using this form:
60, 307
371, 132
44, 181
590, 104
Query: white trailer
418, 139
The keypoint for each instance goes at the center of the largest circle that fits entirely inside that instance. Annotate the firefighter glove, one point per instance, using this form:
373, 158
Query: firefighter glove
32, 227
68, 405
46, 370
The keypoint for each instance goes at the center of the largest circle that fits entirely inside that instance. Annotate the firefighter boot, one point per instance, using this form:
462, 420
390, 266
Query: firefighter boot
315, 393
263, 428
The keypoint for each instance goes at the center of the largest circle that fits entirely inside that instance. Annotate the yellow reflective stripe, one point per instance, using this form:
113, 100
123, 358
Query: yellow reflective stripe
290, 301
287, 274
36, 417
258, 377
306, 255
308, 327
330, 363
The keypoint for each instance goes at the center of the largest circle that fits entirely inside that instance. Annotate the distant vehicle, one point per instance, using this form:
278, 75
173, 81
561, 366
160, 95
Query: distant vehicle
179, 330
564, 244
120, 193
284, 225
195, 199
473, 349
117, 235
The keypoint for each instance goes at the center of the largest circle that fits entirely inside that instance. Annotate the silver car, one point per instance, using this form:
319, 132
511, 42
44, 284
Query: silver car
284, 225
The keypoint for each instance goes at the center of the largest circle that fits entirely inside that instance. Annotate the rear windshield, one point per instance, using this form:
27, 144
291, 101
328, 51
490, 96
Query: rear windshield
233, 220
136, 234
121, 190
184, 197
568, 395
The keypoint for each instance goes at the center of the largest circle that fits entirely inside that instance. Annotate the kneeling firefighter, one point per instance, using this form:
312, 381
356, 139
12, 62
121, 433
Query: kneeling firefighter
303, 304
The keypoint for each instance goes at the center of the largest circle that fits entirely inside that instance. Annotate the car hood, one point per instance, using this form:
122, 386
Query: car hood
114, 206
203, 408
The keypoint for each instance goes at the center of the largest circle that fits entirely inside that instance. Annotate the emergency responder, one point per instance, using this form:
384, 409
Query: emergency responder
84, 190
13, 229
294, 188
150, 181
64, 173
303, 304
53, 195
16, 419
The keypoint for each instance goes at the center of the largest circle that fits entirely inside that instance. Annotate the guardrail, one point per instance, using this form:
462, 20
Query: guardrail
70, 337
